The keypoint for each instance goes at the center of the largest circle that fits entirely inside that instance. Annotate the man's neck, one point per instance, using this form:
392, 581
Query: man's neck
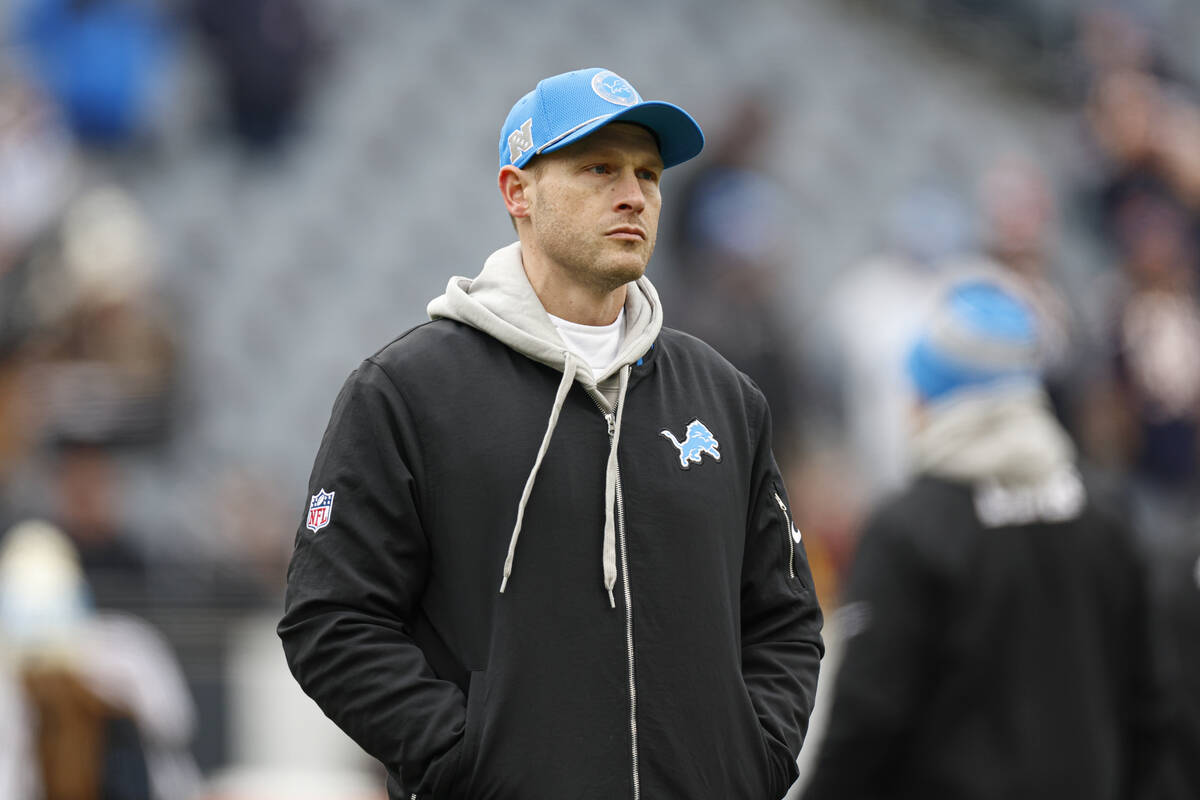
574, 302
583, 308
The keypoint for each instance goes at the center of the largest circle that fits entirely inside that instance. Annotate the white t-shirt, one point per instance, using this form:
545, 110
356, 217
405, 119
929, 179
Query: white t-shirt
597, 345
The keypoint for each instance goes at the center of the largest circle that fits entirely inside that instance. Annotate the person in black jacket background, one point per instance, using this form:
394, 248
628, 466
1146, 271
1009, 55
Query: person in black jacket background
546, 550
997, 622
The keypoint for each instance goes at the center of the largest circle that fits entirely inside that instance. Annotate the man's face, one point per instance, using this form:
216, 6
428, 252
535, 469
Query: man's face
594, 206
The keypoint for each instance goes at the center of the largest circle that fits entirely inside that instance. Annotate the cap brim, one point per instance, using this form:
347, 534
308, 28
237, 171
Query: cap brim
679, 136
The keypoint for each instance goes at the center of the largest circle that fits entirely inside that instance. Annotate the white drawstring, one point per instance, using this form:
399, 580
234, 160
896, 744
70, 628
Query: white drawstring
564, 386
609, 550
609, 556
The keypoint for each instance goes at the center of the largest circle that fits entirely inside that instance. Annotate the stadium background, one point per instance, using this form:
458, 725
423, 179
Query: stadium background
199, 243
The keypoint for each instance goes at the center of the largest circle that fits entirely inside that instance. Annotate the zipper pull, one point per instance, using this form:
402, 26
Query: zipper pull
611, 419
793, 535
796, 535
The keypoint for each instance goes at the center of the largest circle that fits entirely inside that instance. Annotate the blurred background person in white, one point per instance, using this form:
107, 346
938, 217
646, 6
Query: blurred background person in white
102, 694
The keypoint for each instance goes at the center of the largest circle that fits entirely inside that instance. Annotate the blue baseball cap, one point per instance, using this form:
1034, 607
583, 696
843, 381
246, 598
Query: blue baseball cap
981, 334
565, 108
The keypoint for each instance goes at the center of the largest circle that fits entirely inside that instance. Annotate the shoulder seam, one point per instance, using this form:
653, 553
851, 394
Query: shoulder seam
399, 337
371, 360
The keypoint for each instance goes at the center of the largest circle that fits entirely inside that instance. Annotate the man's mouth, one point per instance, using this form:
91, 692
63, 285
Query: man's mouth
627, 232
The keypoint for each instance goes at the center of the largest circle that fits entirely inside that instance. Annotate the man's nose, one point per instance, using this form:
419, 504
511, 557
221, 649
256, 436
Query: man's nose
628, 194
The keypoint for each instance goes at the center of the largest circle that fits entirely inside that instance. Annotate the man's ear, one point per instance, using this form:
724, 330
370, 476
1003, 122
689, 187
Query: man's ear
515, 185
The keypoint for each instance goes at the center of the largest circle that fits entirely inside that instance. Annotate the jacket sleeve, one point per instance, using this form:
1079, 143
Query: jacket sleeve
353, 587
781, 620
888, 622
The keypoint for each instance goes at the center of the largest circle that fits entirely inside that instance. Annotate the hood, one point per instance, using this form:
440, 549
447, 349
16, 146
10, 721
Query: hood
501, 303
997, 435
1007, 444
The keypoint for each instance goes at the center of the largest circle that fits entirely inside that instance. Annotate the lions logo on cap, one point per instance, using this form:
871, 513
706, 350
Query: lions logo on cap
615, 89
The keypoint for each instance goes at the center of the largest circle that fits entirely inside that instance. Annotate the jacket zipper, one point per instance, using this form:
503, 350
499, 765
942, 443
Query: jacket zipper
611, 418
787, 517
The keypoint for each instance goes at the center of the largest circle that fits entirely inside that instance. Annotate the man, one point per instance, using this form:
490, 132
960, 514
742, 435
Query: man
548, 553
996, 621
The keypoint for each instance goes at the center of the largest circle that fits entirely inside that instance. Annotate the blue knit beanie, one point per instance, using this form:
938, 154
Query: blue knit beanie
980, 334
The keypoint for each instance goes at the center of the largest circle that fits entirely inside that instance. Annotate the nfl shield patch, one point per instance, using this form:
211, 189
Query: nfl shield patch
319, 510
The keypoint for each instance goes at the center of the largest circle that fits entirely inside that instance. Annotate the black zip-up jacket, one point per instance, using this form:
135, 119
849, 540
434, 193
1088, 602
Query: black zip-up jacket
697, 685
992, 663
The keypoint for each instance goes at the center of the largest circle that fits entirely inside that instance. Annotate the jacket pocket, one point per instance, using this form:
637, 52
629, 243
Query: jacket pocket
761, 758
454, 782
476, 695
791, 536
781, 770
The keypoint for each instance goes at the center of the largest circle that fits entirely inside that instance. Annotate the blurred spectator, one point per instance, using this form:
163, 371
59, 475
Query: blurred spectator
88, 509
873, 311
997, 622
17, 780
38, 172
730, 247
1146, 140
91, 368
101, 60
1019, 217
1149, 415
1124, 112
1180, 145
267, 52
105, 347
827, 504
102, 694
1110, 41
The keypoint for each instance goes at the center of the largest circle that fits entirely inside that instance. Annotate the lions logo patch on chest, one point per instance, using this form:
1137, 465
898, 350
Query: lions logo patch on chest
697, 441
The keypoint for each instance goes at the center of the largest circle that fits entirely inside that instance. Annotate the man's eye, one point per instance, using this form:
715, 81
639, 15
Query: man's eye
598, 169
648, 175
